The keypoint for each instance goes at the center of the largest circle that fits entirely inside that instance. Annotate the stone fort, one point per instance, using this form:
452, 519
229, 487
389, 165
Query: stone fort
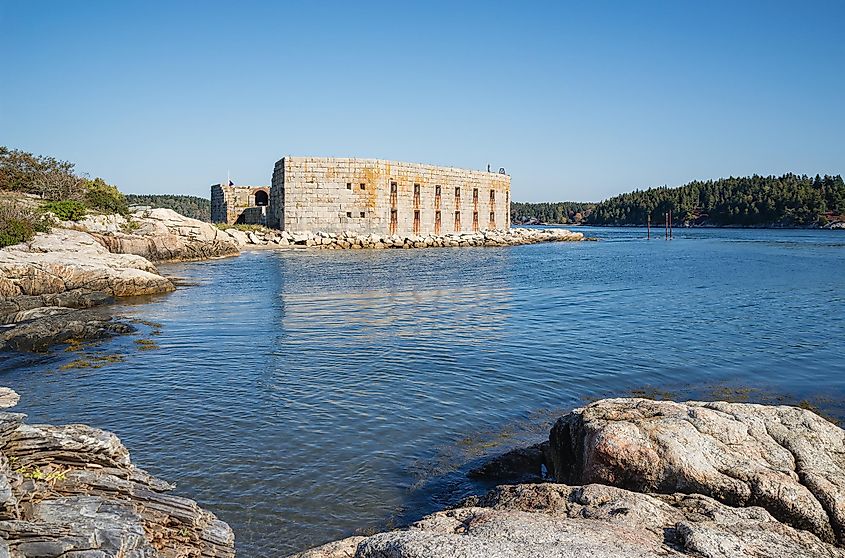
246, 205
334, 195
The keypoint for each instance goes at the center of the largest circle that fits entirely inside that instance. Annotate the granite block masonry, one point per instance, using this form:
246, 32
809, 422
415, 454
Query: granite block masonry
371, 196
245, 205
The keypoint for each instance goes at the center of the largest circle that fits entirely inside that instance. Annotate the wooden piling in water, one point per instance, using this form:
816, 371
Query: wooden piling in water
670, 224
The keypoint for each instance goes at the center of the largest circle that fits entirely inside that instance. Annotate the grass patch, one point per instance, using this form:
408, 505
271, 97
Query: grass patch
242, 228
74, 345
146, 345
130, 226
148, 323
93, 362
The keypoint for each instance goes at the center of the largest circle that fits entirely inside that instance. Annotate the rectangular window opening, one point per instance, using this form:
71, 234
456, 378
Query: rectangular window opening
363, 214
363, 186
349, 214
348, 185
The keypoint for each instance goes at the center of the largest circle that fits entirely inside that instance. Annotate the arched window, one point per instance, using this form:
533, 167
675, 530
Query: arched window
261, 198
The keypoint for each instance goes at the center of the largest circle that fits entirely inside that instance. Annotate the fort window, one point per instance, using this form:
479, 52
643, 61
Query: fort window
349, 214
416, 195
457, 221
261, 198
393, 188
492, 220
394, 219
363, 214
475, 198
474, 221
348, 185
416, 222
437, 222
437, 197
457, 197
363, 186
492, 196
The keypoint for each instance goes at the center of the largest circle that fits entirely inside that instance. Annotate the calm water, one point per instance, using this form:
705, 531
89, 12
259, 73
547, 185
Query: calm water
304, 395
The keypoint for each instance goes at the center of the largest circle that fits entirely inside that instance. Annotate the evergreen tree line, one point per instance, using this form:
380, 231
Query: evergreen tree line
189, 206
550, 212
781, 201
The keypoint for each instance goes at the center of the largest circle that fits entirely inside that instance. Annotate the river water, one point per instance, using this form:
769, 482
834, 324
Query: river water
303, 396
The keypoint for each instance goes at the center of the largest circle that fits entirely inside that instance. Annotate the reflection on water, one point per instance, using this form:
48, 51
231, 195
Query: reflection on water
304, 395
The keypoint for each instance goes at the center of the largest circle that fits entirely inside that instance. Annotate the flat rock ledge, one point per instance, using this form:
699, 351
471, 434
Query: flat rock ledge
354, 241
49, 285
159, 235
641, 478
72, 492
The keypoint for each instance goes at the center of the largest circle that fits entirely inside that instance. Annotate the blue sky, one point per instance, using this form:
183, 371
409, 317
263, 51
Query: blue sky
577, 100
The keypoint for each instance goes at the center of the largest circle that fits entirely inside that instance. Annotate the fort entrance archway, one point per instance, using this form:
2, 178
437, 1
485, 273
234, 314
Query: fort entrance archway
261, 198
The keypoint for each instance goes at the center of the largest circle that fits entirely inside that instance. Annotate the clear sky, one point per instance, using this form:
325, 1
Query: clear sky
578, 101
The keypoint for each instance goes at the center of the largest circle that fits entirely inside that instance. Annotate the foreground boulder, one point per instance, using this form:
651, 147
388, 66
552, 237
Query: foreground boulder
786, 460
71, 491
655, 478
593, 521
65, 261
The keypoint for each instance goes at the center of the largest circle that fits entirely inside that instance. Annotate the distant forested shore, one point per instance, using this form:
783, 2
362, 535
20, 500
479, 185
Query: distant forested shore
785, 201
789, 200
190, 206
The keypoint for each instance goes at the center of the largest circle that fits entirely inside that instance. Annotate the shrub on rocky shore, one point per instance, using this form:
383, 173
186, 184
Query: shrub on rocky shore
19, 224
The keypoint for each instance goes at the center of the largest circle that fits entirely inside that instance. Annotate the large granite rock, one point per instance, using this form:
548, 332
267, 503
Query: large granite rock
66, 260
72, 492
159, 235
593, 521
702, 479
786, 460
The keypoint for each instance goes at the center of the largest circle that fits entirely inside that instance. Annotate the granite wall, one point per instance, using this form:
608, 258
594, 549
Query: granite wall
385, 197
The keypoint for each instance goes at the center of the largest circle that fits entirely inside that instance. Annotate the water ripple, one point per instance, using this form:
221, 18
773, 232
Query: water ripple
304, 395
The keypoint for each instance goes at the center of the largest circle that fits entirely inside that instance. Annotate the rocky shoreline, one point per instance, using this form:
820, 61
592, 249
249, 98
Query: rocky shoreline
72, 492
353, 241
635, 478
